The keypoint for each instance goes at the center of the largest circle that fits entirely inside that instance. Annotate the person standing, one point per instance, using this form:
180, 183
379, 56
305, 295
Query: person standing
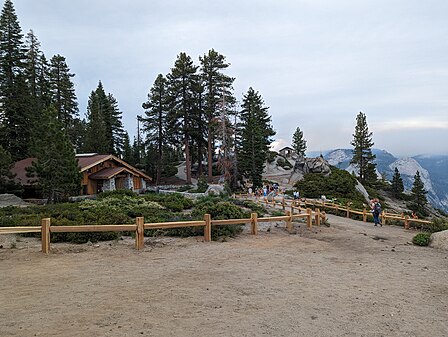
376, 210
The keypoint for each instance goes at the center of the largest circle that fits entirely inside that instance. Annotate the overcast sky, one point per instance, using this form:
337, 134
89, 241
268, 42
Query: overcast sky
316, 63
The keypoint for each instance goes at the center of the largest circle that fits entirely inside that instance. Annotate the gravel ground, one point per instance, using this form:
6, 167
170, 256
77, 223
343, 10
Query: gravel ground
349, 279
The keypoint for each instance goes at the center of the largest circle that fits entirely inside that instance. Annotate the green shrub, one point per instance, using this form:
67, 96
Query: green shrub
340, 184
116, 194
421, 239
284, 163
202, 184
220, 210
175, 202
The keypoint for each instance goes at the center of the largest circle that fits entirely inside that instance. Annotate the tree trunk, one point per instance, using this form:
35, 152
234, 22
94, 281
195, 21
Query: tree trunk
209, 156
187, 160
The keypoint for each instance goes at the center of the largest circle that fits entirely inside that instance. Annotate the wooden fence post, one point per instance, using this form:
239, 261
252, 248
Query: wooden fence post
317, 217
139, 232
308, 218
254, 223
283, 203
383, 218
324, 216
364, 215
289, 222
208, 228
406, 222
348, 211
45, 235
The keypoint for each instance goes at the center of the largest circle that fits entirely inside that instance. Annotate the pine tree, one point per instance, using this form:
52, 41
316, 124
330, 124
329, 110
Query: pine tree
7, 184
182, 83
397, 184
155, 122
299, 143
218, 96
127, 150
418, 195
96, 134
104, 129
255, 137
56, 167
63, 95
362, 152
15, 118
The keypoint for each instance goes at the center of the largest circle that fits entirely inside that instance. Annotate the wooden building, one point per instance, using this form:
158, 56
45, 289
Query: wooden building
100, 172
287, 152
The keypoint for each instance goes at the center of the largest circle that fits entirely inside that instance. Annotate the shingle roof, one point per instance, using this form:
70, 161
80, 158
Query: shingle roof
19, 170
108, 173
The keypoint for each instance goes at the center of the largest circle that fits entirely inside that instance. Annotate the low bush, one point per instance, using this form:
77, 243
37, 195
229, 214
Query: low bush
220, 210
421, 239
284, 163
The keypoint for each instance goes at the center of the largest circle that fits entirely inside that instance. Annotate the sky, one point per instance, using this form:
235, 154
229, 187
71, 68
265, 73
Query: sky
316, 63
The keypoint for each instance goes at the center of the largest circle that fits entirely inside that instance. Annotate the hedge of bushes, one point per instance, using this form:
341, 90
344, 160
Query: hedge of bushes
122, 207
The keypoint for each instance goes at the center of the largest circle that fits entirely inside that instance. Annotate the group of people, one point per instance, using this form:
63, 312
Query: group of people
376, 211
264, 191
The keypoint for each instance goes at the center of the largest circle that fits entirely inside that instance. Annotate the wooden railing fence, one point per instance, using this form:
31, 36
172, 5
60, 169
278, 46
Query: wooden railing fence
139, 227
303, 203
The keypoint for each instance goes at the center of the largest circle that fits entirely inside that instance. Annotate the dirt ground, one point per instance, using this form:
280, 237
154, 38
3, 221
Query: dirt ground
349, 279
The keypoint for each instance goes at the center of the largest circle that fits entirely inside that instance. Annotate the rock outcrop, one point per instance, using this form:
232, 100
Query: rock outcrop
439, 240
312, 165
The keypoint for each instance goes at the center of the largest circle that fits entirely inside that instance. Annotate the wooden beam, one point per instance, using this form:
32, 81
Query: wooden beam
317, 217
289, 226
93, 228
139, 233
254, 223
177, 224
208, 228
45, 235
20, 229
308, 218
231, 221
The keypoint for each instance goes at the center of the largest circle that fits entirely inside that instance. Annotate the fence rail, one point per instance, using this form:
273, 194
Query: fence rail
310, 215
297, 204
46, 229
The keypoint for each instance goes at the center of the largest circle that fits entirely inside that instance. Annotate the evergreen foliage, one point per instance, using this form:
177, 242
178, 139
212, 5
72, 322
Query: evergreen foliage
63, 95
418, 195
56, 166
183, 82
104, 129
218, 97
362, 152
299, 143
15, 112
340, 184
397, 184
255, 137
7, 184
155, 123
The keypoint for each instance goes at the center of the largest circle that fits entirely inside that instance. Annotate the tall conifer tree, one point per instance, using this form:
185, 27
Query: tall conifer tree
155, 122
362, 152
15, 118
182, 81
397, 184
299, 143
104, 129
56, 167
418, 195
218, 96
255, 137
63, 94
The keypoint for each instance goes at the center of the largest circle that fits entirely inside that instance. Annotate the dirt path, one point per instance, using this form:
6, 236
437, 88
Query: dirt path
349, 279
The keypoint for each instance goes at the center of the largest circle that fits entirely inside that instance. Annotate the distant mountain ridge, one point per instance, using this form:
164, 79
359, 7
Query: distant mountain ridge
433, 171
